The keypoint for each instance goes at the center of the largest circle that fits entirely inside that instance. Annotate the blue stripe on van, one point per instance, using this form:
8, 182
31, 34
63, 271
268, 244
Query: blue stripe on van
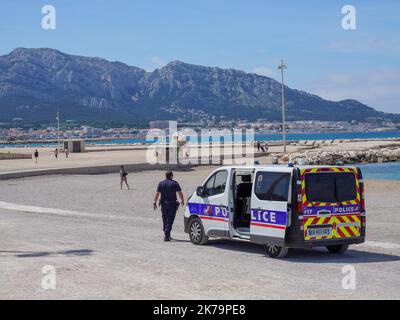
269, 216
344, 209
208, 210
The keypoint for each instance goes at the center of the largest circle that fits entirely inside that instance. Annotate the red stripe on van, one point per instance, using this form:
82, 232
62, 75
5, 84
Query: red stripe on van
326, 221
351, 233
342, 235
267, 225
212, 218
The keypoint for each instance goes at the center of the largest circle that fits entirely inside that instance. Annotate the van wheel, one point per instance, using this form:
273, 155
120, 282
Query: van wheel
340, 249
196, 232
274, 251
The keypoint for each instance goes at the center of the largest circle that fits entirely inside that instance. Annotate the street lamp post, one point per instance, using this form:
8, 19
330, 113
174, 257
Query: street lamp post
58, 129
282, 67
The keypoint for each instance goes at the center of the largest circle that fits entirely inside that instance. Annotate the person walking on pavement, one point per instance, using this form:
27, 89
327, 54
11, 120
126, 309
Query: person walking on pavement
168, 189
56, 153
124, 177
36, 154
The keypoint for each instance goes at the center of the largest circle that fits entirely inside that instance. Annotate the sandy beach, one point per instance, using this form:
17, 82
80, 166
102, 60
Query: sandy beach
127, 154
106, 243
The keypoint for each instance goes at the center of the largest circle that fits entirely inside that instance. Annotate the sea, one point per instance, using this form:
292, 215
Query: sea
257, 137
380, 171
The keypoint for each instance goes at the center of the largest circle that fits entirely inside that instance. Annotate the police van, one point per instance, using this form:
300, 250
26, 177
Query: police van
280, 207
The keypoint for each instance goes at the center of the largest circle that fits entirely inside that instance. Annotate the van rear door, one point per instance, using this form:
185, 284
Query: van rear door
331, 201
269, 206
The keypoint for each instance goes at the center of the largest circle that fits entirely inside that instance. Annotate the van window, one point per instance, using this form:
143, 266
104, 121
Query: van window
331, 186
216, 184
272, 186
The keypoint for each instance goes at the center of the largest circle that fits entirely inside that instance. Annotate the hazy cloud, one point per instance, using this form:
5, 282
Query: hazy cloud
379, 89
263, 71
157, 62
364, 46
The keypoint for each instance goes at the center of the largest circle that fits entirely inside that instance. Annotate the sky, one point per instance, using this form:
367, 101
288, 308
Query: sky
254, 35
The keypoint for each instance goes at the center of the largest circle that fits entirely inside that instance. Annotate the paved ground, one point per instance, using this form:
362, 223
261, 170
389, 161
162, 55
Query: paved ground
106, 243
47, 159
117, 155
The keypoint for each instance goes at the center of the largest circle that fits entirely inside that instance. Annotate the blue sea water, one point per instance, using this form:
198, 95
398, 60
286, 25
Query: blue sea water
381, 171
384, 171
257, 137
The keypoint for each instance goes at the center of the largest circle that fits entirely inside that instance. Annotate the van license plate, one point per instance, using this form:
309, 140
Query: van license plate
319, 232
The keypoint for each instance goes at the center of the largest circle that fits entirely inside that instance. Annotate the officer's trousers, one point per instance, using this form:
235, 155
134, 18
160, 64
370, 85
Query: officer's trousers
168, 216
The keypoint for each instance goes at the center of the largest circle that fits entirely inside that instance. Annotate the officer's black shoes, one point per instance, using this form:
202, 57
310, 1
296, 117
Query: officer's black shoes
167, 238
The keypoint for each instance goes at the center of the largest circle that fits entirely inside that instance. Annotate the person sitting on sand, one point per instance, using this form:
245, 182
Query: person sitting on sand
124, 177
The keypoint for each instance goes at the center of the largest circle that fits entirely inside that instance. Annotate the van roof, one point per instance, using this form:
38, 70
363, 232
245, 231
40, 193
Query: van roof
281, 168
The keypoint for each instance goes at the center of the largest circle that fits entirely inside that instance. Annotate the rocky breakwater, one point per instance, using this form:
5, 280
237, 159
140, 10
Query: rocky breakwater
388, 154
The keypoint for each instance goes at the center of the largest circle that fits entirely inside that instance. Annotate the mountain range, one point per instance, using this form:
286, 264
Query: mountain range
36, 83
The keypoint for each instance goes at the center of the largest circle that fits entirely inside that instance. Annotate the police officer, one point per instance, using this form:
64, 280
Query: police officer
168, 189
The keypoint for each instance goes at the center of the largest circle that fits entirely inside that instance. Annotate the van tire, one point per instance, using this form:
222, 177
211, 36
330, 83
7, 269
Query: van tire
274, 251
196, 232
339, 249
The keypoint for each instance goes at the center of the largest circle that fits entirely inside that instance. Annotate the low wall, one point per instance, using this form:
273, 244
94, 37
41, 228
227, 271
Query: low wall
14, 156
94, 170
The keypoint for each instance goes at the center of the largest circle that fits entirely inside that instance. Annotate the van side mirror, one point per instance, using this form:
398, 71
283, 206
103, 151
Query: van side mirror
200, 191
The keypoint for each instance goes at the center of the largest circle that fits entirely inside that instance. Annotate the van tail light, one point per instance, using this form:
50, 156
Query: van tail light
362, 202
362, 197
363, 218
299, 206
361, 183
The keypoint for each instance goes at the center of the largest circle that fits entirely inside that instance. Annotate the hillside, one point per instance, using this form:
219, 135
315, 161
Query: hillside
35, 83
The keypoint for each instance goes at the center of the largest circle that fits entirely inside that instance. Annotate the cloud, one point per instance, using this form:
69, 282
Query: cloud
378, 89
263, 71
373, 45
157, 62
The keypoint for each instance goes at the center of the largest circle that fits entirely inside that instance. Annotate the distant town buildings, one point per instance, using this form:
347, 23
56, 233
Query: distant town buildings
162, 124
68, 131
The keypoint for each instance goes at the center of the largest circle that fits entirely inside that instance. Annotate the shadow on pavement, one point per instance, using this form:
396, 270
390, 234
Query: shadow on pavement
179, 240
350, 256
317, 255
236, 246
32, 254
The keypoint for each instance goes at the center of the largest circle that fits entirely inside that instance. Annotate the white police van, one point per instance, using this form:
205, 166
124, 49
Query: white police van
280, 207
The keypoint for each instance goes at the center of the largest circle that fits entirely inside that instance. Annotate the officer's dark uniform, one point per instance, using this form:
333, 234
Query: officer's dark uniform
168, 189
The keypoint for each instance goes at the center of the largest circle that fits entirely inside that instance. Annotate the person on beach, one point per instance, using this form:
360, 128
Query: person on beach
168, 189
56, 153
266, 147
124, 177
66, 153
258, 146
36, 154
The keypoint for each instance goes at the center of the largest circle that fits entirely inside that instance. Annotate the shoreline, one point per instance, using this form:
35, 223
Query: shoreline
326, 152
276, 137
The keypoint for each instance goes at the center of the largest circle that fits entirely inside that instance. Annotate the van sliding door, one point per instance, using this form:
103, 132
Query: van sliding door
269, 207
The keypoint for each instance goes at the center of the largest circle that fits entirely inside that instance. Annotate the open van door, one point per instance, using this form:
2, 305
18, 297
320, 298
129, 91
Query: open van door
269, 206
